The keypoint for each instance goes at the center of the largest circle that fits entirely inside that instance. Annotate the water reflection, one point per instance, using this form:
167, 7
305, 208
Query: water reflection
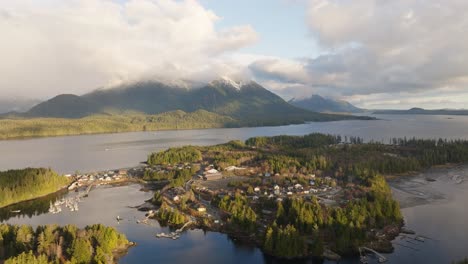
31, 208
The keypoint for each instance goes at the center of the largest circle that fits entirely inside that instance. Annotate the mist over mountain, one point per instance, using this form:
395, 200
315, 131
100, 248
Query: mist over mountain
16, 104
249, 102
318, 103
421, 111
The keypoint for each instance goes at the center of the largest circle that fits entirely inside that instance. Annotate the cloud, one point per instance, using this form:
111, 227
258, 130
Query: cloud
53, 46
381, 47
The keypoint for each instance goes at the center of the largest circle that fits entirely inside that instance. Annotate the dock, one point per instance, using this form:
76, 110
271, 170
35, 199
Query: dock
176, 234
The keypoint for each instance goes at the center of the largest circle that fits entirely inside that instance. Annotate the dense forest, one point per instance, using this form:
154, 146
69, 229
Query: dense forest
240, 213
175, 156
170, 216
54, 244
349, 158
175, 177
26, 184
343, 229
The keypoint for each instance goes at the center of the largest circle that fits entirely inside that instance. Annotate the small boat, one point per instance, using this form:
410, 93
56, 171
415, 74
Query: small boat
15, 211
419, 238
118, 218
364, 260
382, 260
407, 231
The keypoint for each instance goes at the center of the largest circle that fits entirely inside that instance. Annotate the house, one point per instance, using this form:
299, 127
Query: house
211, 171
289, 193
312, 176
232, 168
298, 186
271, 196
201, 209
176, 198
276, 187
312, 183
255, 198
267, 174
312, 190
279, 199
256, 189
306, 192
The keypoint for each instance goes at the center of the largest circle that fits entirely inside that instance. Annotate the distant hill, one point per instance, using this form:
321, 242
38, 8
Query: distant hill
318, 103
421, 111
249, 103
64, 106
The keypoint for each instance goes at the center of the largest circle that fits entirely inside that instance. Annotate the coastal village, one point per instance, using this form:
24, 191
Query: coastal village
290, 203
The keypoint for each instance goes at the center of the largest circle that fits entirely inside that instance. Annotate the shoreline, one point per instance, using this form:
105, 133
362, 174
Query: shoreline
244, 238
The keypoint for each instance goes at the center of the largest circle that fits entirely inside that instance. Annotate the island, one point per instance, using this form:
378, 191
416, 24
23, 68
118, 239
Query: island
293, 196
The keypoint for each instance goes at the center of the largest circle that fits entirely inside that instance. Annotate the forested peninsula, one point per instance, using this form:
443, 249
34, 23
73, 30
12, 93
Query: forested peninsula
26, 184
295, 196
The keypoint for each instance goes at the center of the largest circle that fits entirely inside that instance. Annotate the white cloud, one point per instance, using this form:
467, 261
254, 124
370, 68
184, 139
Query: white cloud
53, 46
383, 47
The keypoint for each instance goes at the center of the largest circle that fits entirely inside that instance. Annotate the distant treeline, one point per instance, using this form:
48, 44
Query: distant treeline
46, 127
22, 127
54, 244
30, 183
353, 157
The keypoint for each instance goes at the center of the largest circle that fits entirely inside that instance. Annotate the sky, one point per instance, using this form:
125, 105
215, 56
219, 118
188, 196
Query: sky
374, 53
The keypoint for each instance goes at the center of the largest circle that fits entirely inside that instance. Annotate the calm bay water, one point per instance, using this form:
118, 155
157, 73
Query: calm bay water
438, 213
106, 151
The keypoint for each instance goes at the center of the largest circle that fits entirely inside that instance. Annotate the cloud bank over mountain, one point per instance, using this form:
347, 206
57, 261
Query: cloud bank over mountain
53, 46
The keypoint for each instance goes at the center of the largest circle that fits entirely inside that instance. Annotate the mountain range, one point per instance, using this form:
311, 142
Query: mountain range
249, 102
318, 103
